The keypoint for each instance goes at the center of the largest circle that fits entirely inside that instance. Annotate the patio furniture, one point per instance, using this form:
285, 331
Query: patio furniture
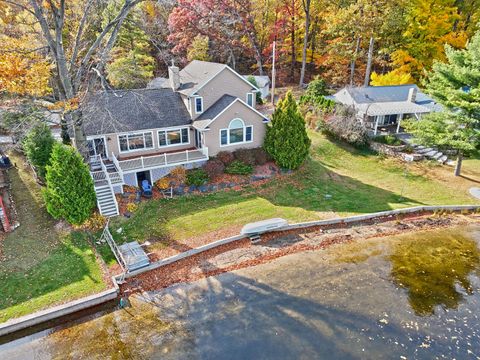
146, 189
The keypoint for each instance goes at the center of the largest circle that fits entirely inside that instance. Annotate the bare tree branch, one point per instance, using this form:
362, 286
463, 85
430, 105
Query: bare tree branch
81, 27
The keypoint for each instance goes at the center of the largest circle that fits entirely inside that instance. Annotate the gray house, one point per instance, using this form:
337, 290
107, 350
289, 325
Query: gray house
137, 135
382, 108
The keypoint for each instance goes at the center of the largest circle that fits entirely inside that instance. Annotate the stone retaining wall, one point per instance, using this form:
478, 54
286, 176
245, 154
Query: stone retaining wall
340, 220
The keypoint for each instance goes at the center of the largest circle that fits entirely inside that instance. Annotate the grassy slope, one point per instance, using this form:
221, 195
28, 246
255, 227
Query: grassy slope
42, 265
359, 182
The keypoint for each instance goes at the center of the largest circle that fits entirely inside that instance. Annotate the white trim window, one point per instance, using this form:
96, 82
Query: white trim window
198, 105
237, 133
250, 99
173, 137
135, 141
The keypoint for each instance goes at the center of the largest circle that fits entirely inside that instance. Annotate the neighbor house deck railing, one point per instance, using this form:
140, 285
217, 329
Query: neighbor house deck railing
161, 160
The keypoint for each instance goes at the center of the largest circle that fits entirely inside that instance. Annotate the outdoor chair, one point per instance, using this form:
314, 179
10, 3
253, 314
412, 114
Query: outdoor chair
146, 188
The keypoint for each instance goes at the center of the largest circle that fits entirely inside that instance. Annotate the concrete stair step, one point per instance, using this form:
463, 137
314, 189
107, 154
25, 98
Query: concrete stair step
443, 159
431, 154
425, 150
438, 155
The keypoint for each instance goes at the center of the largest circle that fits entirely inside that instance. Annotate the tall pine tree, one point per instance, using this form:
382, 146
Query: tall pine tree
286, 139
456, 85
70, 194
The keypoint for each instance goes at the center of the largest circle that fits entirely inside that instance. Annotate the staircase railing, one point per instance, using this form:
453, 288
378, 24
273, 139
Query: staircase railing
104, 168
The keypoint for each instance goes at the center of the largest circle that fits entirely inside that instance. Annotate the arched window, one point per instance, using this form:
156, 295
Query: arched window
236, 133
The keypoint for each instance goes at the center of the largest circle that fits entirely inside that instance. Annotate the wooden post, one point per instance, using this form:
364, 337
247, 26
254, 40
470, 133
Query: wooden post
186, 151
273, 75
376, 126
165, 157
143, 165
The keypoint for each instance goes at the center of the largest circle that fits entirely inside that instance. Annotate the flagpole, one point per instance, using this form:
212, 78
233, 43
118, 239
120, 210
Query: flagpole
273, 74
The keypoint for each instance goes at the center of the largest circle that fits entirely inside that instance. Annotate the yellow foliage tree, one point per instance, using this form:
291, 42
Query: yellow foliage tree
394, 77
22, 70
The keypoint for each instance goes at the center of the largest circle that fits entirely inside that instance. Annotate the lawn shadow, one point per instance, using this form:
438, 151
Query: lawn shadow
307, 193
66, 265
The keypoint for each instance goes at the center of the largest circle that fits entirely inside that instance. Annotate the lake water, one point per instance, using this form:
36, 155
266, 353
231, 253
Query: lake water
413, 296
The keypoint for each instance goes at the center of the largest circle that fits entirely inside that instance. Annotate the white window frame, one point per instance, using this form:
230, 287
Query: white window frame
195, 104
173, 129
253, 98
104, 137
135, 150
228, 134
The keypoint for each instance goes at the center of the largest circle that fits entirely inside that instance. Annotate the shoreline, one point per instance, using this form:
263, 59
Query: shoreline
242, 253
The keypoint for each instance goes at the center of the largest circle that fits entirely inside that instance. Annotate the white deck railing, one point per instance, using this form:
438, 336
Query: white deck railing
161, 160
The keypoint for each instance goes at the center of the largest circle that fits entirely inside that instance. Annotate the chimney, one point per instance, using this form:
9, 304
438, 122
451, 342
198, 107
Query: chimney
412, 94
174, 76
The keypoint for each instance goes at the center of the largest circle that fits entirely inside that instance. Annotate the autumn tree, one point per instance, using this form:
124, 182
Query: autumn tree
131, 64
198, 49
78, 47
394, 77
456, 85
429, 25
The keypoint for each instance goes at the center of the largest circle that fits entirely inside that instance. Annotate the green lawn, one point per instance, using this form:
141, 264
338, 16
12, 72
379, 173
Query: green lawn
42, 265
358, 181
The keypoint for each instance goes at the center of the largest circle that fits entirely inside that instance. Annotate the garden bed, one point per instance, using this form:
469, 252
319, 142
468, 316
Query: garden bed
221, 182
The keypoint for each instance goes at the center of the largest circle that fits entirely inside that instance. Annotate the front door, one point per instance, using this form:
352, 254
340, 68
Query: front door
97, 146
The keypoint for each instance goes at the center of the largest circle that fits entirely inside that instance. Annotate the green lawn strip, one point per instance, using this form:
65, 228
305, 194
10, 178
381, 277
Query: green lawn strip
70, 271
357, 181
42, 265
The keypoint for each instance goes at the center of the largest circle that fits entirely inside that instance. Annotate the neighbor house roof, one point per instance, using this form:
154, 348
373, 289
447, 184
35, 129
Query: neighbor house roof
116, 111
392, 107
370, 94
384, 100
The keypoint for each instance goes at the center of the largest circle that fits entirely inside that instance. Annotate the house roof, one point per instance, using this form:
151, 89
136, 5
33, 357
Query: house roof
219, 105
392, 107
371, 94
115, 111
384, 100
196, 73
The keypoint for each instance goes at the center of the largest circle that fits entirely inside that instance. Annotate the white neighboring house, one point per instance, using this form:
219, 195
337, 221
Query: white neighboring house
382, 108
263, 84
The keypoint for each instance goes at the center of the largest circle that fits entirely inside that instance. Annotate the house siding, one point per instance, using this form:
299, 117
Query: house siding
113, 146
226, 82
237, 110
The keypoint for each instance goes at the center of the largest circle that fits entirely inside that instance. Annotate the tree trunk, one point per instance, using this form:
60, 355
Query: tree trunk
306, 8
369, 62
458, 166
354, 60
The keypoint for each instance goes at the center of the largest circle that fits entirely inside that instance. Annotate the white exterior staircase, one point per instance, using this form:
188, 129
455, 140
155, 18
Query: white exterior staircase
106, 202
105, 176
